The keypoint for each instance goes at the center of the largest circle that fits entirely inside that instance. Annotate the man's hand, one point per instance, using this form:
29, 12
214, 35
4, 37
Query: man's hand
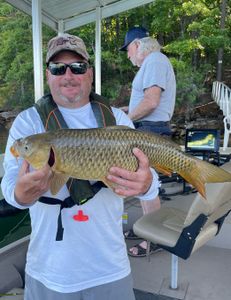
31, 185
132, 183
124, 109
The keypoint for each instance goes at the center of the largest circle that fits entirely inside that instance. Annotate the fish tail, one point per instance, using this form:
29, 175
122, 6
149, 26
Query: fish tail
204, 172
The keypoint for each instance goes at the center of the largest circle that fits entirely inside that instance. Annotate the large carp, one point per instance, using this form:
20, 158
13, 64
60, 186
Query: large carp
89, 154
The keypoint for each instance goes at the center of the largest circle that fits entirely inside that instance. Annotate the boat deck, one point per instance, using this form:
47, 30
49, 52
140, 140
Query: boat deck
204, 275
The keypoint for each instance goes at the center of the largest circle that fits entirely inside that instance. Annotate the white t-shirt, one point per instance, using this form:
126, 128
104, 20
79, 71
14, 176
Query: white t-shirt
92, 252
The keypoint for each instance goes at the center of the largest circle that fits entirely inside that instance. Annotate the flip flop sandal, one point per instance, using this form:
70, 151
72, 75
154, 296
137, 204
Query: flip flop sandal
130, 235
142, 252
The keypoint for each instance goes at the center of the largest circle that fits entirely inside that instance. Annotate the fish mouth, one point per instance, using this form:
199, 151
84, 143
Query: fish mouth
14, 151
51, 160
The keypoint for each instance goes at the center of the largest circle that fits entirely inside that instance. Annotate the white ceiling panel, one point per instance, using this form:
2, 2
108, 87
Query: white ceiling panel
75, 13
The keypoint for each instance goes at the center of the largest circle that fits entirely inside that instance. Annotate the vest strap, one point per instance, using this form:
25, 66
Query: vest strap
66, 203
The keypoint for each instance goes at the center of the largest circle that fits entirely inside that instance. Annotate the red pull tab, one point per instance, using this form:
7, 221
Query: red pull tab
80, 217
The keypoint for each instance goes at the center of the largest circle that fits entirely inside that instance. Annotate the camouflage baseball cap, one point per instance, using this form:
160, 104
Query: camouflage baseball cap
66, 42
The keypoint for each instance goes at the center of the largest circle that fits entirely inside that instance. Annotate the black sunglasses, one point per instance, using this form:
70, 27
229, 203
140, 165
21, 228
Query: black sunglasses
58, 69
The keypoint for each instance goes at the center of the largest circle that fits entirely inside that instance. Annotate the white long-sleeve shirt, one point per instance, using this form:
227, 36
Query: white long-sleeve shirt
91, 252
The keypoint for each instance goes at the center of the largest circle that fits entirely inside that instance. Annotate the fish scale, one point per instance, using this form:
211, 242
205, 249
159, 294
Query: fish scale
89, 154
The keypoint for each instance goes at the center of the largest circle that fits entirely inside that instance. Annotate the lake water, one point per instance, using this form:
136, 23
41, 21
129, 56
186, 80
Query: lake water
3, 138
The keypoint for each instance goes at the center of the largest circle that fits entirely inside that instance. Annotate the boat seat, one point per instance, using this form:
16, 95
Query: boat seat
185, 226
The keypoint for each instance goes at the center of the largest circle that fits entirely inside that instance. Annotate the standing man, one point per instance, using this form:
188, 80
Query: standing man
71, 257
152, 101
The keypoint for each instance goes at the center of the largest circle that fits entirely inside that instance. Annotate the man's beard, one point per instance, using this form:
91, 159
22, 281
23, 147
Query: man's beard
66, 99
133, 60
138, 58
71, 99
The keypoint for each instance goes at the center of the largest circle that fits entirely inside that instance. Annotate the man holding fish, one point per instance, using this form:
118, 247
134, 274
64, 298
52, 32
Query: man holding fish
77, 248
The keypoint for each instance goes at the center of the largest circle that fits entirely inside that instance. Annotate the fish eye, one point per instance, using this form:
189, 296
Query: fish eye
26, 148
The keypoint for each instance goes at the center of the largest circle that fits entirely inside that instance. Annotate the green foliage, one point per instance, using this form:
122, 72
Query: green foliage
16, 51
189, 31
183, 47
16, 56
190, 83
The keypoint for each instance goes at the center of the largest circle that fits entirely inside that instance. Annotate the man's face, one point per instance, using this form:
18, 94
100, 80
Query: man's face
135, 54
131, 52
70, 90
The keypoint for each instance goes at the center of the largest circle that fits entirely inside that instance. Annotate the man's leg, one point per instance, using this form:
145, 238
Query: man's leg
139, 250
118, 290
35, 290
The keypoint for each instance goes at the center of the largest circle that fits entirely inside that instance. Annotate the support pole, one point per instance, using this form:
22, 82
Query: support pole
60, 27
98, 51
37, 48
174, 272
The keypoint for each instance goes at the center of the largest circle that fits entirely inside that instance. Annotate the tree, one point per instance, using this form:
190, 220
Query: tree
189, 30
221, 49
16, 69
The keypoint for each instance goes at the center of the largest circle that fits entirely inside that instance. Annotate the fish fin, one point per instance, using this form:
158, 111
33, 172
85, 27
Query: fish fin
58, 180
163, 170
204, 172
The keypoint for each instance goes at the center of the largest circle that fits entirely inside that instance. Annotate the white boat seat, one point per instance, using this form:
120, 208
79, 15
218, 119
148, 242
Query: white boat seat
183, 228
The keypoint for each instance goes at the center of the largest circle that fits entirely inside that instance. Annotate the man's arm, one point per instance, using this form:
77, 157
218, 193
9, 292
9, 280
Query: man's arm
148, 104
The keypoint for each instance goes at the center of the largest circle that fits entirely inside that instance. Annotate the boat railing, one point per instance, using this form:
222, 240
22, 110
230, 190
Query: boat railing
221, 94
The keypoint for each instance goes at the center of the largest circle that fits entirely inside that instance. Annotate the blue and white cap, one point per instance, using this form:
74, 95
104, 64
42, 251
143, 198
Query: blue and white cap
132, 34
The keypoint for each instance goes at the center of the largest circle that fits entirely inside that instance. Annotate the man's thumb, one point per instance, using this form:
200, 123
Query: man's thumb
24, 168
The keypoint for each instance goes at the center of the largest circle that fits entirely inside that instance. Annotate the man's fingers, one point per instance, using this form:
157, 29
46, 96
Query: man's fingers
119, 172
42, 174
142, 158
130, 183
31, 185
24, 168
126, 182
116, 173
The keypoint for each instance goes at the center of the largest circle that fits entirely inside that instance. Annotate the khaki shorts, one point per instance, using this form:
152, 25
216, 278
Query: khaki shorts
118, 290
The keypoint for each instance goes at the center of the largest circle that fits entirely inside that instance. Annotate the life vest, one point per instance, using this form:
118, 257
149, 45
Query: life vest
80, 190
